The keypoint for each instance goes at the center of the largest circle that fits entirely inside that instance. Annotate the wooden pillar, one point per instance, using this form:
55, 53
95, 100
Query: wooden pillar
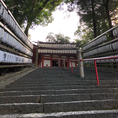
51, 61
64, 63
75, 64
42, 62
59, 62
36, 59
39, 61
71, 66
68, 63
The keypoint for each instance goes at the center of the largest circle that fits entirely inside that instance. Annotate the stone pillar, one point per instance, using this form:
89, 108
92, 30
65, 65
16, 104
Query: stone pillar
81, 63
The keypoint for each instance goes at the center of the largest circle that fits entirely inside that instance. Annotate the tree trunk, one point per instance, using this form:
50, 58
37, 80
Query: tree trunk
27, 28
109, 21
94, 19
106, 4
108, 14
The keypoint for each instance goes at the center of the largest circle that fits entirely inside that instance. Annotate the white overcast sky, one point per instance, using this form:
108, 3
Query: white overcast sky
64, 22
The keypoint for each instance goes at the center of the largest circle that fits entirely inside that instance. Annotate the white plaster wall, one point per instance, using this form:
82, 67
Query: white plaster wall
73, 64
47, 63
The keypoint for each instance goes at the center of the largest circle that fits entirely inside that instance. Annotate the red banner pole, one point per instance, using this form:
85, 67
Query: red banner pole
96, 70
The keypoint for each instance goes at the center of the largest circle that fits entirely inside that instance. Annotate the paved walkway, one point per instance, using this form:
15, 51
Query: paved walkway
59, 93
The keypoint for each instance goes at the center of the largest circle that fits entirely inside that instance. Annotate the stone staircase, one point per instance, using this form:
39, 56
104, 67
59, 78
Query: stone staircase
59, 93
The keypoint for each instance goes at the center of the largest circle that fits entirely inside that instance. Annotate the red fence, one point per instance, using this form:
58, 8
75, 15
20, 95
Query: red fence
95, 64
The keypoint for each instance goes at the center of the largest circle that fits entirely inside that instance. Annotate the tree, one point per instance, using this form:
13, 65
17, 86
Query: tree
115, 17
85, 34
86, 10
60, 38
108, 8
32, 12
95, 13
57, 38
51, 37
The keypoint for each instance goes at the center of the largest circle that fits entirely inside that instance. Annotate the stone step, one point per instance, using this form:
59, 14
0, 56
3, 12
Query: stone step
71, 114
56, 98
17, 84
76, 97
56, 87
20, 99
80, 105
48, 84
59, 93
62, 91
58, 106
53, 80
62, 79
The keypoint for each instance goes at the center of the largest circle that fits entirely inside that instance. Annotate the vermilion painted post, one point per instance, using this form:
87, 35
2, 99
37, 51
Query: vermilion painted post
42, 62
71, 67
68, 64
96, 70
59, 63
65, 63
75, 64
50, 62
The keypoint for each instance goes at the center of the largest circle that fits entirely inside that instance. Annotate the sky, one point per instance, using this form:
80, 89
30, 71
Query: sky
64, 22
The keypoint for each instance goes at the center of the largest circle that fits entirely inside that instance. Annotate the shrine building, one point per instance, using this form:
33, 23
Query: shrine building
55, 54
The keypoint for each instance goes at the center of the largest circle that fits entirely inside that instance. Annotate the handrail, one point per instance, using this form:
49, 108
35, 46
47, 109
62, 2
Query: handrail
100, 35
95, 64
100, 58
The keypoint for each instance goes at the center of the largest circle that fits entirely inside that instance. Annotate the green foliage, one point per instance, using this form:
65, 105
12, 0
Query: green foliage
61, 38
85, 34
51, 37
32, 12
57, 38
95, 14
